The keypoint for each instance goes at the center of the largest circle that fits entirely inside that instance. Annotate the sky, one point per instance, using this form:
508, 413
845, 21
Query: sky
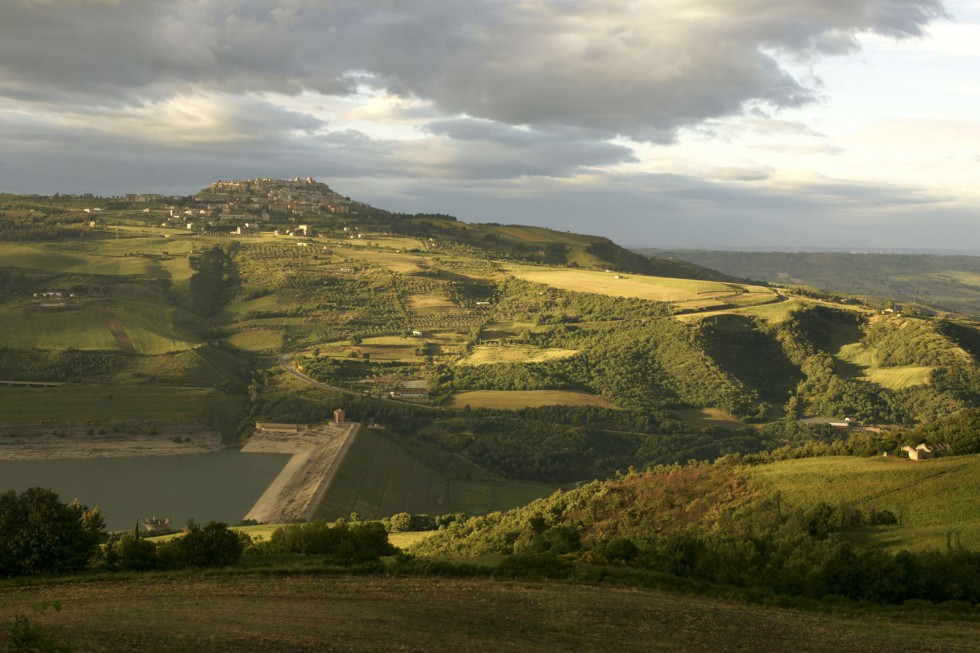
750, 124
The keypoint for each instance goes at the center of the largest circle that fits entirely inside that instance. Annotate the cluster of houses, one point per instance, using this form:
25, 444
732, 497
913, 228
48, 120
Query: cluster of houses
231, 199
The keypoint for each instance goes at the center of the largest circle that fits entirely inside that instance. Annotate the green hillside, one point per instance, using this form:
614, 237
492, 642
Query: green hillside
880, 530
537, 356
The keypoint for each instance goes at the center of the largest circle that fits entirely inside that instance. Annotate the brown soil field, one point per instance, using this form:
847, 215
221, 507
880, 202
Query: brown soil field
514, 399
304, 613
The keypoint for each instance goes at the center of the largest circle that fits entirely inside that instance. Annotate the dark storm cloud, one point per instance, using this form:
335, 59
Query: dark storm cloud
612, 66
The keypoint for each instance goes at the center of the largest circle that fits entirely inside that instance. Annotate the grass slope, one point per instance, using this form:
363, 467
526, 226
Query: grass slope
378, 478
935, 500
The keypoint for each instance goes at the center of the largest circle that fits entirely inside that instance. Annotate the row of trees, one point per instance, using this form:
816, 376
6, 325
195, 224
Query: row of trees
40, 534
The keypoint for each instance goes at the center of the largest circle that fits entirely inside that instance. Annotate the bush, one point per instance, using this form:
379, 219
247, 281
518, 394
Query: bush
132, 553
211, 546
41, 535
343, 543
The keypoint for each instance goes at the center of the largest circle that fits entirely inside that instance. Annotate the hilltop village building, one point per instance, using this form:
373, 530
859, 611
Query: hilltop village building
233, 199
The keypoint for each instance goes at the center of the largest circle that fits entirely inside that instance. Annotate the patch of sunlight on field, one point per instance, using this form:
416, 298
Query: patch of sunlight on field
617, 285
514, 399
81, 327
963, 277
771, 312
704, 418
893, 378
932, 499
408, 539
897, 378
390, 242
486, 354
397, 341
400, 263
430, 303
271, 302
257, 340
39, 257
688, 293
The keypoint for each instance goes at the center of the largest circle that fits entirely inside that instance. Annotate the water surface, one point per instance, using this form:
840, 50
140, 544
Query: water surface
220, 486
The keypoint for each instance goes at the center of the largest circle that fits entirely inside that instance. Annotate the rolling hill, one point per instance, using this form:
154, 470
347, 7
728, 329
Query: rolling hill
534, 355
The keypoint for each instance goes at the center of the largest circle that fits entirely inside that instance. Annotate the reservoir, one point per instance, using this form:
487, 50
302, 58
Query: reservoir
219, 486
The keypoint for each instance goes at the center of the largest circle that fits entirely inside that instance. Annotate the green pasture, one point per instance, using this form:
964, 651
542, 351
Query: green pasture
897, 378
427, 304
894, 378
487, 354
87, 325
39, 257
391, 341
400, 263
378, 477
378, 240
105, 257
198, 367
272, 302
514, 399
84, 326
84, 402
257, 340
934, 500
394, 353
688, 293
704, 418
774, 312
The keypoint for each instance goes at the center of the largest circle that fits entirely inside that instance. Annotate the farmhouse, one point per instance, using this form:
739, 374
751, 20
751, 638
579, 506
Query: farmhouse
338, 416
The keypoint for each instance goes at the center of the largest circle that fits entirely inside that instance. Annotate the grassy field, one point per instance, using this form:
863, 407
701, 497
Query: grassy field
933, 499
85, 402
486, 354
379, 478
400, 263
512, 399
686, 293
430, 303
775, 312
704, 418
894, 378
257, 340
307, 613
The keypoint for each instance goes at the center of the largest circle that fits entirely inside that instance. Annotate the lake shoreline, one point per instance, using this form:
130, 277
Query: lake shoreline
77, 441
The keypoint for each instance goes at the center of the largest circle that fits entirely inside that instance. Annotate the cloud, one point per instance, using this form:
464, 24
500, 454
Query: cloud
641, 69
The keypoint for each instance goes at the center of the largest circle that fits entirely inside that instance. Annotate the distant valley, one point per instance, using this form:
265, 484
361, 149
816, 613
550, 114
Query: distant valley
929, 281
